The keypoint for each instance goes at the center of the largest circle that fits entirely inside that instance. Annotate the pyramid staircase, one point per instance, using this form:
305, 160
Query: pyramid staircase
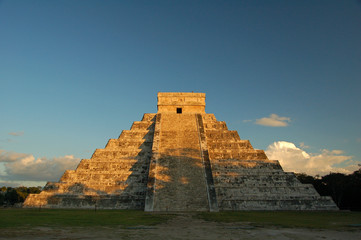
177, 172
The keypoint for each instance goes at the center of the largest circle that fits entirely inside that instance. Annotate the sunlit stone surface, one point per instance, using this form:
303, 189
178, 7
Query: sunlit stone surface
180, 159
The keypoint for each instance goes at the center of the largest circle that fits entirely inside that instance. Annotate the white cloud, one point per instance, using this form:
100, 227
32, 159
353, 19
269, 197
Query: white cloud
295, 159
274, 121
20, 166
11, 156
16, 133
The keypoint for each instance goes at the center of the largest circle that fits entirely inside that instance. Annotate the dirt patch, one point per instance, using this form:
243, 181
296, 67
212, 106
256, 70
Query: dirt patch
183, 226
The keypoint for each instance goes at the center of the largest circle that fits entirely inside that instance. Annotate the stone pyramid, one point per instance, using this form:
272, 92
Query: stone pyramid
180, 159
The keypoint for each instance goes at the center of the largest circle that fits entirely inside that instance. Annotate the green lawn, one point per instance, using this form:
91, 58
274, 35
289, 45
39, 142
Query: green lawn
292, 219
77, 218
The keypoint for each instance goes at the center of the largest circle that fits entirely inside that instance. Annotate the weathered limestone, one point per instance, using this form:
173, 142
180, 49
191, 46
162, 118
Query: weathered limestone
180, 159
114, 177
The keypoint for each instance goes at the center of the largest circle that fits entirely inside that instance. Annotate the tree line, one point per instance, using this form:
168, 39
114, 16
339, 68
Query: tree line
345, 189
10, 196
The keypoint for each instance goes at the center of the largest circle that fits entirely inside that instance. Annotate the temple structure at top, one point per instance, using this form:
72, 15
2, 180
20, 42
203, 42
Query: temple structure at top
180, 159
181, 102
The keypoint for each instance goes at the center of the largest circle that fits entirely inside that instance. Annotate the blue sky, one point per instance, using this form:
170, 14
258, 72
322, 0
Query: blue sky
284, 74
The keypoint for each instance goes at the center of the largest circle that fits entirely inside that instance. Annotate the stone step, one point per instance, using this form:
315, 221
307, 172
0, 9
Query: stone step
142, 125
236, 151
118, 161
222, 134
124, 196
75, 176
119, 154
240, 172
291, 204
215, 126
90, 201
238, 155
250, 197
245, 168
209, 117
106, 188
115, 144
224, 145
115, 185
250, 179
263, 192
265, 179
139, 134
256, 183
112, 167
149, 117
110, 170
244, 161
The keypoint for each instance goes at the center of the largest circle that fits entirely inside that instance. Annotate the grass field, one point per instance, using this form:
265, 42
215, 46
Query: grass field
290, 219
10, 218
77, 218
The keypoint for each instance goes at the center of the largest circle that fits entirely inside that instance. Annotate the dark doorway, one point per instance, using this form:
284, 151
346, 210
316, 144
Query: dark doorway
179, 110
